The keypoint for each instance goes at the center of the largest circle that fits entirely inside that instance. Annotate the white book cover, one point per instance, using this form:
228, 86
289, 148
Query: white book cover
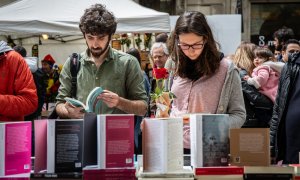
50, 146
163, 145
209, 139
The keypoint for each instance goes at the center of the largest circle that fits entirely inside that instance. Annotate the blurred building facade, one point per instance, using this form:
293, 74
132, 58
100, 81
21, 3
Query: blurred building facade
260, 18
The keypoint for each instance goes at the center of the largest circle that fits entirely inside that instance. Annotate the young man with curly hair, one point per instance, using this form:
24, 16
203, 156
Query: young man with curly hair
119, 74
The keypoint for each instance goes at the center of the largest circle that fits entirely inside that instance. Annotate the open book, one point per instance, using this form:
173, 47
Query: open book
92, 103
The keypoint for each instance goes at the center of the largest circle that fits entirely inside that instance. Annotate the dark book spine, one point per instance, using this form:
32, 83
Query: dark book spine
90, 139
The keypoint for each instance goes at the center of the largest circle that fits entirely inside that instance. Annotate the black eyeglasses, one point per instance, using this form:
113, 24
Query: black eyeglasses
193, 46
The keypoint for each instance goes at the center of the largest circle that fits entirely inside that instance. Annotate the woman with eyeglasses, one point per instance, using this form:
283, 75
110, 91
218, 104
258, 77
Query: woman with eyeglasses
204, 81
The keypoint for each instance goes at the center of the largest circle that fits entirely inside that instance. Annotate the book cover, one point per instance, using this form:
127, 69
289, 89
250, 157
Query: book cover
272, 169
92, 103
222, 170
250, 147
185, 173
24, 176
115, 140
268, 176
163, 145
271, 172
64, 140
67, 175
95, 173
90, 139
40, 139
296, 169
15, 148
219, 172
209, 139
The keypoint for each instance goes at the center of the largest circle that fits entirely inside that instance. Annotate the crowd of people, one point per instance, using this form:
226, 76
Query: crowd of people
255, 87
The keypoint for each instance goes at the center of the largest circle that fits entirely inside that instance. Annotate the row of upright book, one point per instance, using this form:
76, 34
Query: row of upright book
103, 146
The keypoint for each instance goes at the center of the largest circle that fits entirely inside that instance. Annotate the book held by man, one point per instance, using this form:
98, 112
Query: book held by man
92, 103
15, 148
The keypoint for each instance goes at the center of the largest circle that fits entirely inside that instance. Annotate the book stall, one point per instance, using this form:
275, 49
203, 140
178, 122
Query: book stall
101, 147
140, 41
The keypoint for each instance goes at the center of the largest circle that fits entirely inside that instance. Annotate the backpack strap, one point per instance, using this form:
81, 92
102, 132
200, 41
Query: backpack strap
74, 68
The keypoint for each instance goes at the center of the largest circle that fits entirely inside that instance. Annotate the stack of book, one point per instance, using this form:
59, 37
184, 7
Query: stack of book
186, 173
95, 173
113, 158
58, 148
296, 171
219, 173
268, 172
15, 149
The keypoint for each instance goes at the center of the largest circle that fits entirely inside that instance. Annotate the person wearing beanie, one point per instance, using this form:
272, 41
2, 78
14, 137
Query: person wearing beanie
52, 79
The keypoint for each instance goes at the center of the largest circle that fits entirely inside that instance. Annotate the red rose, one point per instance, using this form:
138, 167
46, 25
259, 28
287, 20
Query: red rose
160, 73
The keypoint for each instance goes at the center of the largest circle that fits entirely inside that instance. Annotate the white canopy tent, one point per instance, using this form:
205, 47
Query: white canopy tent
27, 20
61, 17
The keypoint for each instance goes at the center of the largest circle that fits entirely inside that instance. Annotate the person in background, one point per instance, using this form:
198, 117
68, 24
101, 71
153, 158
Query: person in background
18, 96
265, 75
52, 79
291, 46
119, 74
204, 81
284, 125
278, 54
159, 54
138, 119
280, 38
162, 37
258, 106
39, 80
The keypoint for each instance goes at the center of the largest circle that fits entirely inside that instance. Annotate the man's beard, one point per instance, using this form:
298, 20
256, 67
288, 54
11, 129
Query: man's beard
99, 51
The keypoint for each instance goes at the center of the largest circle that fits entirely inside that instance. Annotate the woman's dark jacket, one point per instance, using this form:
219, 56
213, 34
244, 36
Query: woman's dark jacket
277, 126
258, 106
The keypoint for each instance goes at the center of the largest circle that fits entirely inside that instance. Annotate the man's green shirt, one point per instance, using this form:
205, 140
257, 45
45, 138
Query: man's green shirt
119, 73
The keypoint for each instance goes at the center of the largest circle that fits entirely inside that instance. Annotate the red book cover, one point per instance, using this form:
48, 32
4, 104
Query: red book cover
222, 170
40, 138
15, 151
111, 173
115, 141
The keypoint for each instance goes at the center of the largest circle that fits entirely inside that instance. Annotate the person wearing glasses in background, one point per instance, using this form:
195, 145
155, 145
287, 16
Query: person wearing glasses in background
204, 81
284, 124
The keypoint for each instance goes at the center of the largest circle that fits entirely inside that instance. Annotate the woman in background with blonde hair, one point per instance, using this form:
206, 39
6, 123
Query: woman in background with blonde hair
258, 106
